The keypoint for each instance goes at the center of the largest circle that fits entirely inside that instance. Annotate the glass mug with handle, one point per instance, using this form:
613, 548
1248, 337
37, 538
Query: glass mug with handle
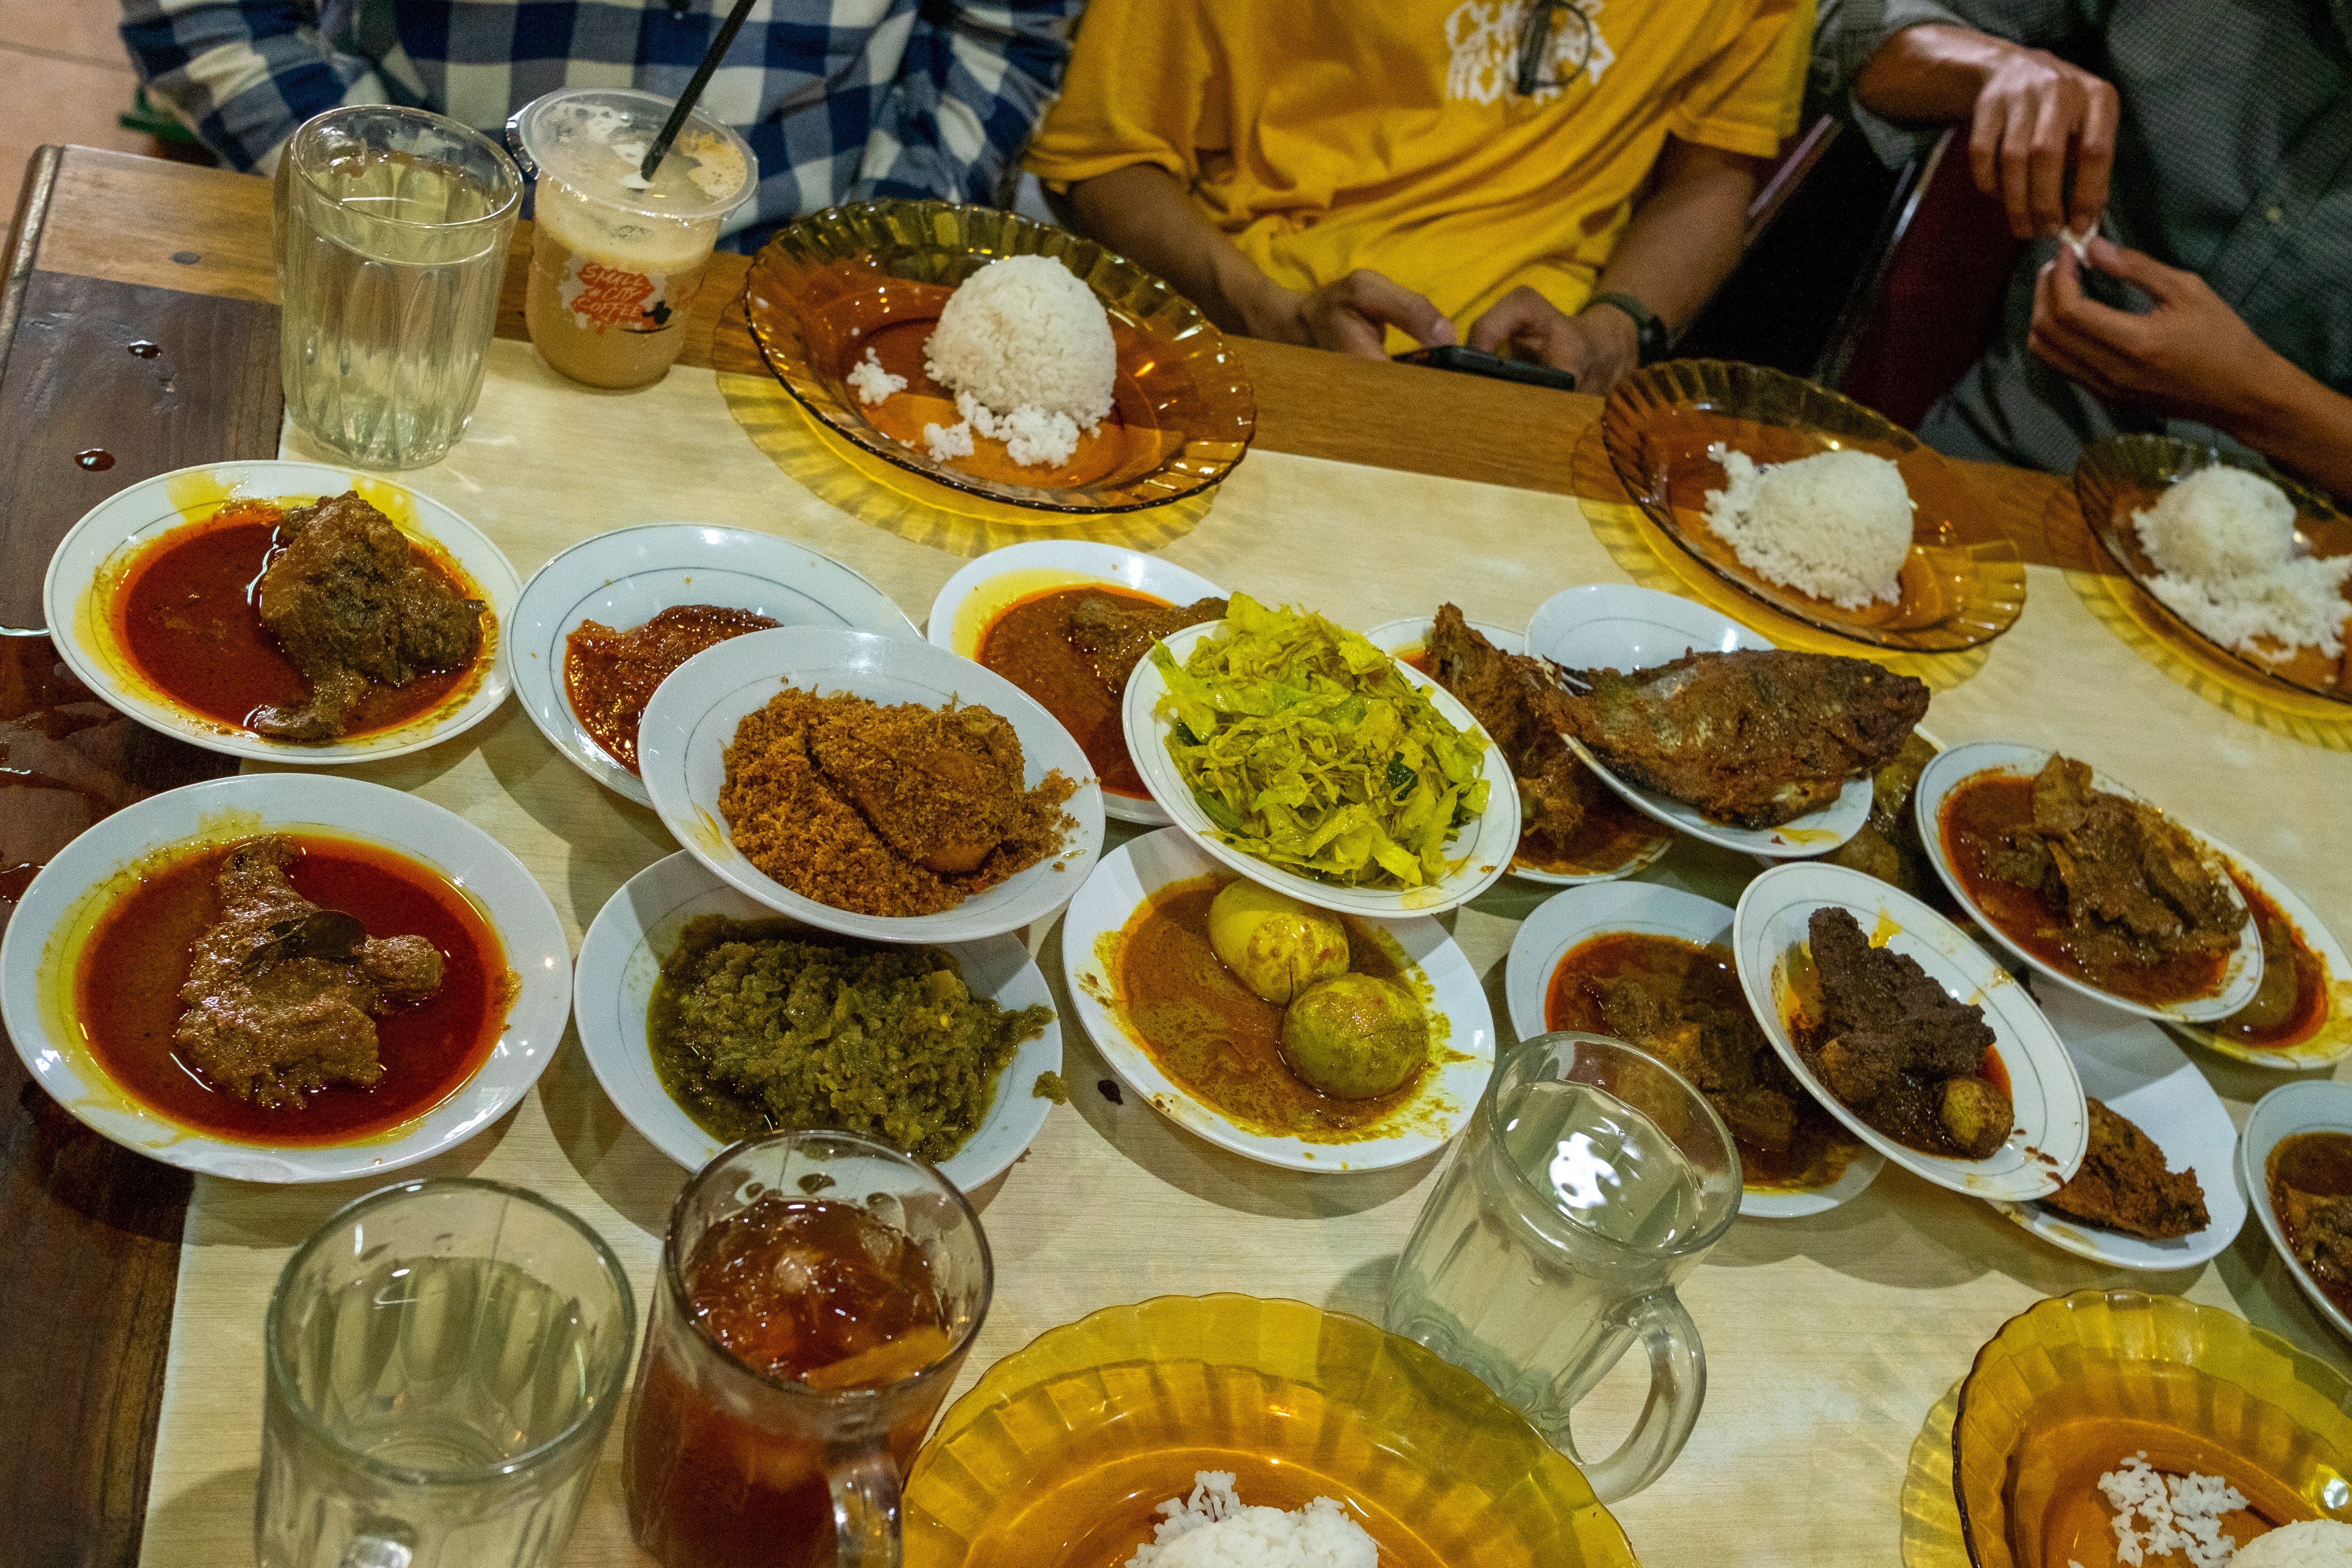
391, 232
819, 1291
444, 1360
1590, 1181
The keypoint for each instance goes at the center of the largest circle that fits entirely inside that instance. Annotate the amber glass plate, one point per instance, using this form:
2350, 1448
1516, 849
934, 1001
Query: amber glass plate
874, 275
2071, 1386
1964, 582
2120, 478
1058, 1456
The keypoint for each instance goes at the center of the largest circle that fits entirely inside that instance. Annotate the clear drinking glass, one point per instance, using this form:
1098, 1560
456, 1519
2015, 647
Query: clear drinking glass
445, 1358
1591, 1180
731, 1467
391, 235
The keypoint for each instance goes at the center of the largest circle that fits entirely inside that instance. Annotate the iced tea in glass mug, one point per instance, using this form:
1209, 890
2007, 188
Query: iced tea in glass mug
818, 1292
1590, 1181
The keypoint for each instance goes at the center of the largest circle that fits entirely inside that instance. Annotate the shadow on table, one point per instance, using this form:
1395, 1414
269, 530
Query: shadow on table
215, 1509
258, 1214
614, 1158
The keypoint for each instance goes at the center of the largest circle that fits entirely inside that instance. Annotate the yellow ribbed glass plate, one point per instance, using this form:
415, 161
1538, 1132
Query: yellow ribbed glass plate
873, 275
2120, 478
2074, 1385
1964, 580
1058, 1456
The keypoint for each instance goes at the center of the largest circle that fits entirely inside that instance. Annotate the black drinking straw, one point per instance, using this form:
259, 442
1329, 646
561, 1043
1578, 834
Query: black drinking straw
693, 93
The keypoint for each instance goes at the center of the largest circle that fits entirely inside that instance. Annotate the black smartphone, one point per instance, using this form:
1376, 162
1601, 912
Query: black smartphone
1478, 361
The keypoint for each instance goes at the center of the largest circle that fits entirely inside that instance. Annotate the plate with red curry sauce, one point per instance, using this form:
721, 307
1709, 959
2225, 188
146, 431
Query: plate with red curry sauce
1010, 612
153, 598
602, 625
1978, 819
98, 962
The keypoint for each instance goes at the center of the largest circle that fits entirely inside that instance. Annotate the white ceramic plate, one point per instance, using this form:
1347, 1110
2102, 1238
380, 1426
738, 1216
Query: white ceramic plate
2314, 1106
976, 595
89, 561
626, 578
621, 957
1482, 854
1612, 626
2333, 1039
1567, 920
2052, 1125
55, 919
1410, 636
1140, 868
1952, 769
692, 721
2127, 1065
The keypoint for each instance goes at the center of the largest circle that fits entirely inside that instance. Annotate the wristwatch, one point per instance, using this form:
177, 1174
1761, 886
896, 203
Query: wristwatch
1649, 333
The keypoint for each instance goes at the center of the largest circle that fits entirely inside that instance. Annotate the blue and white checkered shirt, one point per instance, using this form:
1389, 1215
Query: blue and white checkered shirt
841, 98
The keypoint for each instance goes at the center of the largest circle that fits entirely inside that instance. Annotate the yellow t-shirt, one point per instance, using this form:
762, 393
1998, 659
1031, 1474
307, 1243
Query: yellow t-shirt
1324, 135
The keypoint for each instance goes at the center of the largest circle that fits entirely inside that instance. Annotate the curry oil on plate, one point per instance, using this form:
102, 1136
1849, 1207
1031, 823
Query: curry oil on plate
621, 958
1421, 1119
981, 597
1644, 913
2301, 1013
95, 564
624, 578
1618, 851
1771, 941
1945, 786
55, 927
1478, 855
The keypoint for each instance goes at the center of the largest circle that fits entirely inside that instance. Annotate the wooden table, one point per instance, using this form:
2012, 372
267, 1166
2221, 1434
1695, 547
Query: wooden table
1832, 1337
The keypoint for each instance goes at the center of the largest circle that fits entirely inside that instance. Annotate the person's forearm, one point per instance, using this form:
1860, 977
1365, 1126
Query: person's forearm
2302, 424
1144, 214
1929, 73
1686, 234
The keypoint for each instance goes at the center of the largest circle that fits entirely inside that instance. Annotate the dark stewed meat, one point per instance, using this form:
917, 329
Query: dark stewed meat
352, 602
283, 996
1116, 633
2122, 1184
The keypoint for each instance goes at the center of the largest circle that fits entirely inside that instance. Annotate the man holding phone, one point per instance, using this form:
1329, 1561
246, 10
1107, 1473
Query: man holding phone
1563, 181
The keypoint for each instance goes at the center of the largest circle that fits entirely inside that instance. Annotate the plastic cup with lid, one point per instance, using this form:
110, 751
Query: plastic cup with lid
616, 259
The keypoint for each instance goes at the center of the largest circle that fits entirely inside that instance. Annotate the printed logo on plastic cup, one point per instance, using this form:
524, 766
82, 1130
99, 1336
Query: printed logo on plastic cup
600, 297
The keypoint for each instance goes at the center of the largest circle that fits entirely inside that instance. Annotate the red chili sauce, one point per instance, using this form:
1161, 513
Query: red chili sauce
127, 994
189, 614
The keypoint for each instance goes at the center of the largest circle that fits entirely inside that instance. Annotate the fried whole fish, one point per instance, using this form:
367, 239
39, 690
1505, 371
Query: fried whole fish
1750, 738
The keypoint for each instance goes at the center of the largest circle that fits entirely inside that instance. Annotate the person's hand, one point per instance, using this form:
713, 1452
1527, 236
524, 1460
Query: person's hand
2036, 116
2191, 356
1598, 348
1351, 316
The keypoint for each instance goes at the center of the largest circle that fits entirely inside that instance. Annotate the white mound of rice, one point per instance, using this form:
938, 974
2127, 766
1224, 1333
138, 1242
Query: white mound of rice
1212, 1528
2307, 1543
2222, 543
1836, 525
1027, 349
871, 382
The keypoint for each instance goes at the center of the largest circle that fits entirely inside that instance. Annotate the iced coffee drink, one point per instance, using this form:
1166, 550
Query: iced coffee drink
616, 259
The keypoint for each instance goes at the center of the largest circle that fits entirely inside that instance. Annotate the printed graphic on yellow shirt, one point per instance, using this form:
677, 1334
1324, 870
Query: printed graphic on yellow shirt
1486, 36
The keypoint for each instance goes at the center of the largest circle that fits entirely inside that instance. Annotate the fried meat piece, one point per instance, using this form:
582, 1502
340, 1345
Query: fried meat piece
2322, 1227
1514, 699
2123, 1185
1751, 738
275, 1013
942, 787
1876, 993
352, 602
1116, 633
1726, 1058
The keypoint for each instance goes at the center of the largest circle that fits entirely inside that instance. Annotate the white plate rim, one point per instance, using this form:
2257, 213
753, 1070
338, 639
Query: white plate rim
1118, 886
1111, 564
1484, 859
69, 582
613, 983
2026, 1038
2075, 1017
678, 724
1566, 920
534, 648
1948, 771
2314, 931
524, 920
2275, 1116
